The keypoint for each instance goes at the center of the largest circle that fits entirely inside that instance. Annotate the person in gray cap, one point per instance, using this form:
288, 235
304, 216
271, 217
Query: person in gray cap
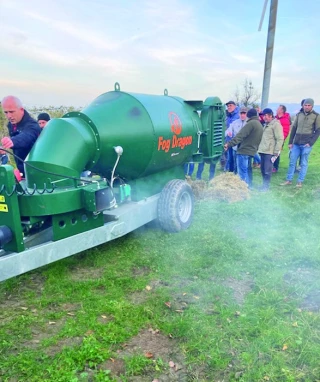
304, 133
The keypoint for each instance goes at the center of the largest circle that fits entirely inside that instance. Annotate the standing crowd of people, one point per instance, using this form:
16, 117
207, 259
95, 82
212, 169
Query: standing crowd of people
255, 138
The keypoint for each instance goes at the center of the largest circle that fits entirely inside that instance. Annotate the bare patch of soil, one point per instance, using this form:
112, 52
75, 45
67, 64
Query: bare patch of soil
63, 343
308, 278
179, 301
303, 275
100, 290
184, 282
34, 283
140, 271
14, 299
39, 334
52, 327
85, 274
116, 366
105, 319
71, 307
49, 330
240, 288
140, 297
312, 301
155, 345
158, 284
13, 303
152, 341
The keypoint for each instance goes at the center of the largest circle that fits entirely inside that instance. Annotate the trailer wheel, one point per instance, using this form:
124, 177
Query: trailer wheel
175, 206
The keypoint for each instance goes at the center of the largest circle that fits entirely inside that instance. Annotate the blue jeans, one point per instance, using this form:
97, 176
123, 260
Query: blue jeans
212, 170
256, 159
188, 168
296, 151
245, 168
229, 163
235, 168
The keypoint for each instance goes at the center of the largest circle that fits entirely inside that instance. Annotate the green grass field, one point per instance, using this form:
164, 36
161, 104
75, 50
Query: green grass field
234, 298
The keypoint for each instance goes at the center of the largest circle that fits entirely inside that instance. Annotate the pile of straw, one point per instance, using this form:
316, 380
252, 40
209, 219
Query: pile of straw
226, 187
199, 188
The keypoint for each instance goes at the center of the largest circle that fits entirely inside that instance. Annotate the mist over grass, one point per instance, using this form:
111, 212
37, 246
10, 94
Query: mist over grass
238, 292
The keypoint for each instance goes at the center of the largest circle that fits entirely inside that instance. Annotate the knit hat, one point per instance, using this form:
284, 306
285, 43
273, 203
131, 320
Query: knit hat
308, 101
267, 111
44, 117
252, 113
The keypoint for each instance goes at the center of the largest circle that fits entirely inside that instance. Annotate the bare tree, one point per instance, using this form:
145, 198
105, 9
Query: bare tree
53, 111
247, 95
236, 96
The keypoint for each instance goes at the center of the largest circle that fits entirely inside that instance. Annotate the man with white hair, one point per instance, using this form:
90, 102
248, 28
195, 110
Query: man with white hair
304, 134
23, 130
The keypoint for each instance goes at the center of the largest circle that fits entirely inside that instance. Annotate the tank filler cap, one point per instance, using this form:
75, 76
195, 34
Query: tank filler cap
117, 87
165, 92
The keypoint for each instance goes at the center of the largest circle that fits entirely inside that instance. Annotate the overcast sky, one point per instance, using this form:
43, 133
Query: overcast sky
67, 52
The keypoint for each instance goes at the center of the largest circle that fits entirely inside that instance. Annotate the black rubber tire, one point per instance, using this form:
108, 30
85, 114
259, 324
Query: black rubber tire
175, 206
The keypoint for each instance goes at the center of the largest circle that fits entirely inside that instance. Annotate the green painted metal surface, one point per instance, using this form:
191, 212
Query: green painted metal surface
154, 183
155, 132
66, 146
213, 125
60, 201
75, 222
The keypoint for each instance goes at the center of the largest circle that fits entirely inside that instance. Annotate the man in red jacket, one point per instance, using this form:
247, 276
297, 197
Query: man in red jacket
284, 118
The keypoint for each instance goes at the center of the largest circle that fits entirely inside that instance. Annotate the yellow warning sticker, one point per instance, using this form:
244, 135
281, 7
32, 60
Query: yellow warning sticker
3, 208
2, 199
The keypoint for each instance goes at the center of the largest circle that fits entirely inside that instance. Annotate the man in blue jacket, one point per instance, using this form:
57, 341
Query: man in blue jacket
23, 130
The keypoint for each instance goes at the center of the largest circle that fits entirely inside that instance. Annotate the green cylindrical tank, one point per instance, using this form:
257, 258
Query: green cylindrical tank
155, 132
